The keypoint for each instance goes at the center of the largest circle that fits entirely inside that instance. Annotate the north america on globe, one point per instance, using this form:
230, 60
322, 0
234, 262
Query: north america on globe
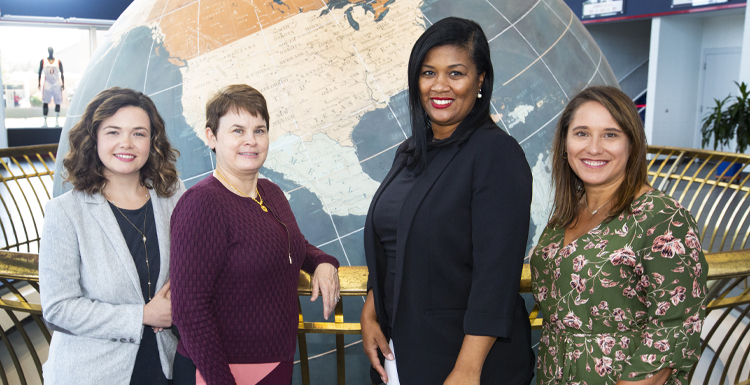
334, 74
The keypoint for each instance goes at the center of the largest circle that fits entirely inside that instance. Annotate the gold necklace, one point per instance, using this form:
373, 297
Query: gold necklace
143, 234
597, 209
259, 201
265, 209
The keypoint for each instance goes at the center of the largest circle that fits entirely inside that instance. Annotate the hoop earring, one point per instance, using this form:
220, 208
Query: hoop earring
565, 155
479, 95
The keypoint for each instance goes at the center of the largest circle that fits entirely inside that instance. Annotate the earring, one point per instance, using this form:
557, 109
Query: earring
565, 155
479, 95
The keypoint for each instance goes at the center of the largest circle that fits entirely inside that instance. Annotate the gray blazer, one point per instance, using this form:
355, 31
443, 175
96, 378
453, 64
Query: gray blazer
91, 294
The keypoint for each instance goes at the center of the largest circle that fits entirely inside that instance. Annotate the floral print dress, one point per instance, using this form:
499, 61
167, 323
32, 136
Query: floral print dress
624, 300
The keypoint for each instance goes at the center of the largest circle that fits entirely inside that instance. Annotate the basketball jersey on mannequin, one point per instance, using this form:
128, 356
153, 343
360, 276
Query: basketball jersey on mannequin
52, 73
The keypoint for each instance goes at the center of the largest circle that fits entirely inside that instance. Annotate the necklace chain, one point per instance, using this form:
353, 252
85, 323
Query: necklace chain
597, 209
143, 235
259, 201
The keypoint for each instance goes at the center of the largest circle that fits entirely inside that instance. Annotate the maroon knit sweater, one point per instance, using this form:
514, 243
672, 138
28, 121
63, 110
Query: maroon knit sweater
234, 292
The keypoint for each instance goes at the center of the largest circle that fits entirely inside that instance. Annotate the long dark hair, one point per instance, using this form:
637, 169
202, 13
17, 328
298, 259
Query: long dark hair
84, 169
461, 33
568, 186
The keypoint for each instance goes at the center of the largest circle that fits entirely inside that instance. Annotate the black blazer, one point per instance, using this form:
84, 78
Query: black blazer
460, 248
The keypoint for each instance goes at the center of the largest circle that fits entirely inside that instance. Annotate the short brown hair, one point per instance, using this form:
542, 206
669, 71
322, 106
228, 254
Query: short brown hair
568, 186
236, 98
84, 169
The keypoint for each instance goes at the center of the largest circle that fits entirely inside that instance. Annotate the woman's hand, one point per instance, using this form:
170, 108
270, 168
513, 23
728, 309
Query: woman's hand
158, 312
326, 281
458, 377
468, 368
373, 338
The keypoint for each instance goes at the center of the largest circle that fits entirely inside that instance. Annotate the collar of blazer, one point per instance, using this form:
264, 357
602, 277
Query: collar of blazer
103, 215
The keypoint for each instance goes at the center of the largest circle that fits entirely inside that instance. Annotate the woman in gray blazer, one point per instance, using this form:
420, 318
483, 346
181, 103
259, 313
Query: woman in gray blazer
104, 254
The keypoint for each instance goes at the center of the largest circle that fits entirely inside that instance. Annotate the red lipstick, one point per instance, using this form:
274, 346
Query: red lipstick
441, 105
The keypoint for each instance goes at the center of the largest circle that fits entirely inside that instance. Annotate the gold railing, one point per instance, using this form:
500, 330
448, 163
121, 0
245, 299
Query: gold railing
702, 182
727, 270
719, 202
720, 205
19, 297
727, 319
353, 280
26, 177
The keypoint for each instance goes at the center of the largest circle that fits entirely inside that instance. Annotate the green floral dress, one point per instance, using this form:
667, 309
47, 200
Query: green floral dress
624, 300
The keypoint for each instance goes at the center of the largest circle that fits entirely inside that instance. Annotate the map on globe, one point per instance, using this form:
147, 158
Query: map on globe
334, 73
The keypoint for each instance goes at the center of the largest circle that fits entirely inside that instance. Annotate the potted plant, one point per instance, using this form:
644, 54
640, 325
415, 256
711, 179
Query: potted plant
724, 123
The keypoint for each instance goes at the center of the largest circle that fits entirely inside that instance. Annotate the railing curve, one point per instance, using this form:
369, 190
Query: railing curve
25, 187
718, 201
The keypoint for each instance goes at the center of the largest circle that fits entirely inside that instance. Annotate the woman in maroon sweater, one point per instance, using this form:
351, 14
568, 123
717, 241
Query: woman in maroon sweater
236, 256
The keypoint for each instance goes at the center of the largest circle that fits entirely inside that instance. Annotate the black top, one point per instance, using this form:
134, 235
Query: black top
147, 369
385, 221
134, 240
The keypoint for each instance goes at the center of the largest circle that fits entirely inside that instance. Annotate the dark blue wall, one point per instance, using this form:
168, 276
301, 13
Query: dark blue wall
642, 8
85, 9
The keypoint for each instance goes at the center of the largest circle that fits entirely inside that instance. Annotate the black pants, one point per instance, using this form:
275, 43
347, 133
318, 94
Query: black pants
147, 369
183, 372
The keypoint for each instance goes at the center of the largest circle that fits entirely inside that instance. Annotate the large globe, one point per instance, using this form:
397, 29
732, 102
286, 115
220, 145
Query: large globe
334, 75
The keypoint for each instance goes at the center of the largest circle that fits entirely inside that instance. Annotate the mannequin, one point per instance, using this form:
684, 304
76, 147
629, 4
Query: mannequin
54, 83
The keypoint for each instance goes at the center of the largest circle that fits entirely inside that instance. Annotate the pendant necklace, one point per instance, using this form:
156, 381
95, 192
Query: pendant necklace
143, 238
597, 209
259, 201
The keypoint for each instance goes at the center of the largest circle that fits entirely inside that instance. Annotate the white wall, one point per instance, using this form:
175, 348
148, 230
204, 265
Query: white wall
721, 34
745, 63
678, 44
626, 46
3, 131
723, 31
675, 55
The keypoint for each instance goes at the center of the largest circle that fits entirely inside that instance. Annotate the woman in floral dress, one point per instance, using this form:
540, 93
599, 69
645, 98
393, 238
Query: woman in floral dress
618, 273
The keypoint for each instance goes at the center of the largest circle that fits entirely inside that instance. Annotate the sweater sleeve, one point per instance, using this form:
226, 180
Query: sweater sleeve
314, 257
66, 309
500, 206
198, 255
673, 286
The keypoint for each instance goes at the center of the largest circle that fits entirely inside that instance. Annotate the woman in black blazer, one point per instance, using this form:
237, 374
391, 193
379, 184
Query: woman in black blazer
446, 232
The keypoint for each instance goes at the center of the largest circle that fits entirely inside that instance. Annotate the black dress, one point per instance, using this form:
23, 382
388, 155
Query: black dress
147, 369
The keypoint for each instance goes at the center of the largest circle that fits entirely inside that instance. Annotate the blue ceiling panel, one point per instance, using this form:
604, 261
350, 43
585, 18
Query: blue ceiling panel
83, 9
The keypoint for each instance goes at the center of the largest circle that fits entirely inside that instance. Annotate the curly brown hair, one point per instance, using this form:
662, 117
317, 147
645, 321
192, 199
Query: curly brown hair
84, 169
568, 186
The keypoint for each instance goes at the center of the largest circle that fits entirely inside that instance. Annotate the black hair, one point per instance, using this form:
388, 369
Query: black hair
461, 33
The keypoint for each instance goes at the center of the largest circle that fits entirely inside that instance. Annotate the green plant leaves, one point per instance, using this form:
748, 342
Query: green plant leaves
724, 124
